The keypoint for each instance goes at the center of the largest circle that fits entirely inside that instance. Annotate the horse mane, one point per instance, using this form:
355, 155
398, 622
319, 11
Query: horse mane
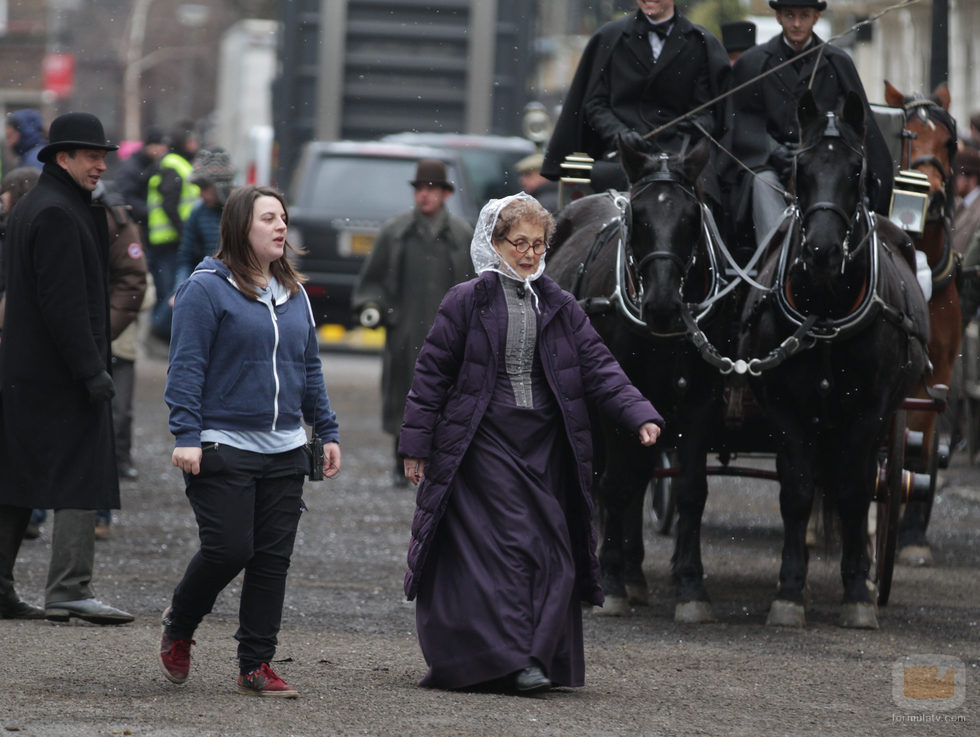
564, 227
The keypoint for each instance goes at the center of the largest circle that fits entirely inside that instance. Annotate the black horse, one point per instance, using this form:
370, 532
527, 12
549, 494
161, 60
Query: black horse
857, 325
646, 271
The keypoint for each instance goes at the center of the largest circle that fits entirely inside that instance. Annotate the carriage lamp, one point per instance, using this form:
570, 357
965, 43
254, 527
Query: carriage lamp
536, 124
575, 182
910, 200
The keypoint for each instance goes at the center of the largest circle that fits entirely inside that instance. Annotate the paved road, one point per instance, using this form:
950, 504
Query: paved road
348, 642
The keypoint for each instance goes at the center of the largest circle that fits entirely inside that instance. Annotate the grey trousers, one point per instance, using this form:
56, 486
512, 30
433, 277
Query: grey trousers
72, 552
72, 556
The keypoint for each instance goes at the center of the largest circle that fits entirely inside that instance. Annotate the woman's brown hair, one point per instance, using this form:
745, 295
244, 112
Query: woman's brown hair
235, 251
524, 208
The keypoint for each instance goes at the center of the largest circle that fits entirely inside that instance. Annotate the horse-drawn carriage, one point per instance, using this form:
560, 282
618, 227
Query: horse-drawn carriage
808, 349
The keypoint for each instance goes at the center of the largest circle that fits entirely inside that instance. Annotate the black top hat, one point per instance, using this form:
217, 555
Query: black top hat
818, 5
75, 130
738, 35
433, 173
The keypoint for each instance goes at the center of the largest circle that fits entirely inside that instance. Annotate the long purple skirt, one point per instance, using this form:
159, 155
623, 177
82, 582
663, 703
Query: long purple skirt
498, 589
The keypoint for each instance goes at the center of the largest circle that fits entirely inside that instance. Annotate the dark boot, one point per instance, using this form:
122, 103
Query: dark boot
13, 523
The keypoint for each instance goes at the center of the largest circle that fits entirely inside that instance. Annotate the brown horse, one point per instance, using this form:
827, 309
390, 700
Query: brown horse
929, 146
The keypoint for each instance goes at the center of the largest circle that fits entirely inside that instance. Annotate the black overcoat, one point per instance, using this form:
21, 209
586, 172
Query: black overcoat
617, 86
56, 447
765, 111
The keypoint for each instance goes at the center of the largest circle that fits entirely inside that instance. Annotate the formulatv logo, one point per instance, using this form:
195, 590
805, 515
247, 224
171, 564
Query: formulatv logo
928, 682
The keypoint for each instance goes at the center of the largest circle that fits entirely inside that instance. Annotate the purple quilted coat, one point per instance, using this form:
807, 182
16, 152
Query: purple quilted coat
454, 379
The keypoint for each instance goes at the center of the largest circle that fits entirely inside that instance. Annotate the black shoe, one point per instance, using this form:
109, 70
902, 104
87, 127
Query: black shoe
33, 532
13, 607
91, 610
531, 680
127, 472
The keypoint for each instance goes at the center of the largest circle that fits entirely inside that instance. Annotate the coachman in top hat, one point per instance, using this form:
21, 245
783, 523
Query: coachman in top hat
761, 117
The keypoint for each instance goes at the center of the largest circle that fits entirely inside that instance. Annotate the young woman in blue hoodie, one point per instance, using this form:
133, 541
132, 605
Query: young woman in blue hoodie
244, 374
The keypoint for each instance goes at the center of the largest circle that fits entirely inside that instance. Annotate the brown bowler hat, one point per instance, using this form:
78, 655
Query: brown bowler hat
433, 173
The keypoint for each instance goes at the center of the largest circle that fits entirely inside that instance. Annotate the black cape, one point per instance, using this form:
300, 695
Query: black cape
617, 63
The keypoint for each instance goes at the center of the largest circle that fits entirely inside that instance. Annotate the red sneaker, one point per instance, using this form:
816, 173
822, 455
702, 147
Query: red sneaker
264, 682
175, 658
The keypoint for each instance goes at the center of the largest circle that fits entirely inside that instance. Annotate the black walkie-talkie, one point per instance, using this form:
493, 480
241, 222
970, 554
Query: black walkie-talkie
316, 460
316, 449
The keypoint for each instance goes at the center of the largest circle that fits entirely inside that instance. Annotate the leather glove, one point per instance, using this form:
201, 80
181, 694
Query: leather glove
633, 140
100, 387
781, 160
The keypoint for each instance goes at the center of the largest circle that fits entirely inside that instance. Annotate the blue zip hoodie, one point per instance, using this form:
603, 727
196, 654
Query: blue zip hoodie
239, 364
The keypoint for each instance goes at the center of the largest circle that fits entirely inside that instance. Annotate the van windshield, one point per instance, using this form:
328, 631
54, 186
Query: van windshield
361, 187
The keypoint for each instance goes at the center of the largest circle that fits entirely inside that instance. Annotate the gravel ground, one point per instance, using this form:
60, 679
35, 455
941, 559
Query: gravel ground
348, 640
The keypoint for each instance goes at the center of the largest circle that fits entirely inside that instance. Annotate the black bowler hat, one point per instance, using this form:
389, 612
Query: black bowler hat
818, 5
433, 173
75, 130
738, 35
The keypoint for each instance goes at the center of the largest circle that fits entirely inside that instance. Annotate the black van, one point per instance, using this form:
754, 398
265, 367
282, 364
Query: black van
344, 191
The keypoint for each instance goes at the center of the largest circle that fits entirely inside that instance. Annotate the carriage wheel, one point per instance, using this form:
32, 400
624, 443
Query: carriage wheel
662, 502
888, 501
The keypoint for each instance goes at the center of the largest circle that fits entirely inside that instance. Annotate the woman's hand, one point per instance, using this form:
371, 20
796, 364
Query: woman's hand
414, 470
331, 460
649, 432
187, 459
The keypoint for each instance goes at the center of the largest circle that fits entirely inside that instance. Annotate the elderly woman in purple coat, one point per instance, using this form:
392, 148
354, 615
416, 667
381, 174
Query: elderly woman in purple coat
496, 433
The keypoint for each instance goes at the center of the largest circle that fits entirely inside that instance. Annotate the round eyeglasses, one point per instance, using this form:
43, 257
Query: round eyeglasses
522, 245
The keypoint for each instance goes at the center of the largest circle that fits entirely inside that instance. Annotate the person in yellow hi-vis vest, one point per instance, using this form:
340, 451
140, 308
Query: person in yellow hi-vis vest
170, 197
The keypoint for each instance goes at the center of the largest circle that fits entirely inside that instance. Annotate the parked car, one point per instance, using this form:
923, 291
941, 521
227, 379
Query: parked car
343, 191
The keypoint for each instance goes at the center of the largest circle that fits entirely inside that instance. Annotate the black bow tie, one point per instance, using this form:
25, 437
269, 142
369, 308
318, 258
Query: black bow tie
661, 29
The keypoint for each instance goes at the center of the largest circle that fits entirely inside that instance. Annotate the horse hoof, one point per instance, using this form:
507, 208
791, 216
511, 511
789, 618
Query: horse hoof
915, 555
784, 613
614, 606
637, 594
859, 616
694, 612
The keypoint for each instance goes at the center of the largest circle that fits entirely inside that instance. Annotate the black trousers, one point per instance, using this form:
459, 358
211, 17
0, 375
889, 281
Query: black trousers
123, 377
247, 507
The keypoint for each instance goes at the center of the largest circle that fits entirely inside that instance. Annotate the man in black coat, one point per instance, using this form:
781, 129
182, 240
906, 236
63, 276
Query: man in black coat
56, 436
761, 118
635, 75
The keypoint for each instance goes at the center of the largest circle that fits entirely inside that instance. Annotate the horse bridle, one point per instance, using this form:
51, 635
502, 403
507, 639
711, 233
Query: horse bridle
665, 175
850, 221
928, 111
